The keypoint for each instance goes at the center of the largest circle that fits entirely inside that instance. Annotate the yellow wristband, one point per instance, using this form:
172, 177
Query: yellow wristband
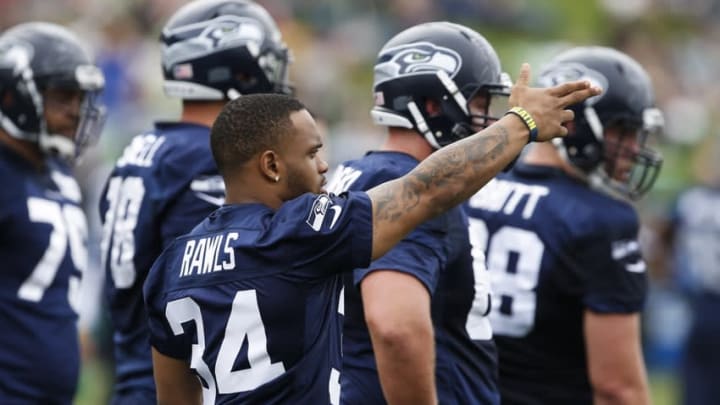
527, 119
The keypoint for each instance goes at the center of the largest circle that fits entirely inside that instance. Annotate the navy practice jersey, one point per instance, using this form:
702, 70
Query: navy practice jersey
554, 249
43, 251
250, 298
163, 185
696, 222
437, 253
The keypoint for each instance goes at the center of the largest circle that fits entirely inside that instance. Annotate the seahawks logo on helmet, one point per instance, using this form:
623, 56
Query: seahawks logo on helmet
568, 72
16, 56
416, 58
222, 32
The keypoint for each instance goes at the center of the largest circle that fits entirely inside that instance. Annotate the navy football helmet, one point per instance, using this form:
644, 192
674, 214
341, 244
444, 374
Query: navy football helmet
34, 58
626, 104
221, 49
440, 61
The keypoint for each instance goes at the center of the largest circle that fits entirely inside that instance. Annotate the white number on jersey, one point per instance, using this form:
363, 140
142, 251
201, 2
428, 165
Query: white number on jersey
124, 197
478, 325
68, 228
515, 286
342, 179
244, 321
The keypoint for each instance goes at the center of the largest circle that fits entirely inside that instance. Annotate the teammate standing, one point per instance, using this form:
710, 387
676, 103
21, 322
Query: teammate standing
416, 319
49, 113
561, 244
166, 181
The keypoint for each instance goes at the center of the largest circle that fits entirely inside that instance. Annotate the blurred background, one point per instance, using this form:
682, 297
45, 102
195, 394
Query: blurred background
334, 43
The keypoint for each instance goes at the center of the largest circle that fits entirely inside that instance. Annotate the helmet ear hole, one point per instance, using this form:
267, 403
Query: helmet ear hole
432, 107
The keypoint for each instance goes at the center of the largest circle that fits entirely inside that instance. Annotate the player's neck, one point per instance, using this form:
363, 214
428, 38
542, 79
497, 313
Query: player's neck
543, 154
201, 112
407, 141
546, 154
27, 150
247, 188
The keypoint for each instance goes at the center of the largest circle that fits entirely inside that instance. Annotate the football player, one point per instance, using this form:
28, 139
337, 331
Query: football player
248, 301
561, 242
166, 181
49, 114
693, 234
416, 318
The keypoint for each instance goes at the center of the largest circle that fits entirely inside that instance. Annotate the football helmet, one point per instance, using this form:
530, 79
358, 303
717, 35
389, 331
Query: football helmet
221, 49
626, 104
440, 61
34, 58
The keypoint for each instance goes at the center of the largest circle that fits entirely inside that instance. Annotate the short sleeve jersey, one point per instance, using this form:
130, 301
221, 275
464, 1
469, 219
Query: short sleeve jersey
43, 251
250, 297
163, 185
554, 249
696, 258
437, 253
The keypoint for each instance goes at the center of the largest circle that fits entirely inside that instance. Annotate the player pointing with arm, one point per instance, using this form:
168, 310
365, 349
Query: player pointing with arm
247, 301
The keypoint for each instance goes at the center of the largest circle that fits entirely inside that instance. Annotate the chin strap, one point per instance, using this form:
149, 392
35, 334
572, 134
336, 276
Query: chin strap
421, 125
58, 145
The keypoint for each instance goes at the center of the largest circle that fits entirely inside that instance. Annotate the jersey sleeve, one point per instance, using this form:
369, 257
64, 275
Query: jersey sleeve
324, 234
614, 272
421, 254
162, 337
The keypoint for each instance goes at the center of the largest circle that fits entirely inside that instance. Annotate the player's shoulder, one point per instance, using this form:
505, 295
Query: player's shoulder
573, 203
165, 144
11, 164
377, 167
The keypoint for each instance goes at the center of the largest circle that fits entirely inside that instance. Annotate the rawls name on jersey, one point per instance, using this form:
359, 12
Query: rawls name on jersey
208, 255
507, 195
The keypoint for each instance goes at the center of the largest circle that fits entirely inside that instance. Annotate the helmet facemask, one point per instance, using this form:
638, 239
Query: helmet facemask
495, 103
23, 109
457, 118
623, 161
89, 81
631, 165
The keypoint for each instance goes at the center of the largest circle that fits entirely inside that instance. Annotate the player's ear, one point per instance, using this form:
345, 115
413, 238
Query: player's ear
270, 165
432, 107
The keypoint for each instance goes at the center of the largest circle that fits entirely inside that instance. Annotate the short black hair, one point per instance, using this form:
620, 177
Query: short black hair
250, 124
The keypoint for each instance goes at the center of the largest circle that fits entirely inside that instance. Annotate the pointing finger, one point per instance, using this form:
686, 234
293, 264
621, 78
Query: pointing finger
569, 87
580, 95
524, 77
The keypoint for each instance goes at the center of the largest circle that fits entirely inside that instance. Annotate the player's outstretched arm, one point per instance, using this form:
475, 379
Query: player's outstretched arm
454, 173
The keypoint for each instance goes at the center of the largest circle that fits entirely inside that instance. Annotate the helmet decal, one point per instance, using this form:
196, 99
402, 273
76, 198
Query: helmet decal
417, 58
214, 50
216, 34
568, 72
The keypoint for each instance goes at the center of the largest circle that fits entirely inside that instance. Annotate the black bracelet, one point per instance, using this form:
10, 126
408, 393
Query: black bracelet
527, 119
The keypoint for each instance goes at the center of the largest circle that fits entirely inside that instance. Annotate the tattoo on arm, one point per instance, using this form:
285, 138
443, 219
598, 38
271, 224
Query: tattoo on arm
450, 175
